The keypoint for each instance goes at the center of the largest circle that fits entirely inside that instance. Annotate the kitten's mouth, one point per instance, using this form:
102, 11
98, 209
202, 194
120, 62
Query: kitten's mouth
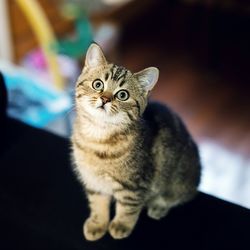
102, 107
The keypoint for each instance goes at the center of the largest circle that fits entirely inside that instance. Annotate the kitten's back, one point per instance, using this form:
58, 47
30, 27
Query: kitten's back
175, 154
160, 116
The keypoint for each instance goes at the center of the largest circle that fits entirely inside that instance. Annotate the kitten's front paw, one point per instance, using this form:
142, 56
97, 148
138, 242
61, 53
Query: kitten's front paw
119, 230
93, 230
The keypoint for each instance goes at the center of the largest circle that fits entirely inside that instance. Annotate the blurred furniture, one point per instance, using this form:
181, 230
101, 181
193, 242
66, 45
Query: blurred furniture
22, 36
44, 207
24, 42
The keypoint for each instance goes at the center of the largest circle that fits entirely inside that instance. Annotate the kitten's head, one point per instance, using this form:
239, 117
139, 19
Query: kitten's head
112, 93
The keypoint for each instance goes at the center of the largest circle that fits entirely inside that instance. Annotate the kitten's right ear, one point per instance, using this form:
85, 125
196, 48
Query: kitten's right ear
95, 56
148, 78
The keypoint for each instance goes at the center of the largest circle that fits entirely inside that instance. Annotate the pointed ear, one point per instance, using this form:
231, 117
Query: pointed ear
95, 56
148, 78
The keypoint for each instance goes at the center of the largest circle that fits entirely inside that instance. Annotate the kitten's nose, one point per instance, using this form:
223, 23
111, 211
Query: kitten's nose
105, 99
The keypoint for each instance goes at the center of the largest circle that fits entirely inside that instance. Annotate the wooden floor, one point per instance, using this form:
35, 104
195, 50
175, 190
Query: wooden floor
203, 56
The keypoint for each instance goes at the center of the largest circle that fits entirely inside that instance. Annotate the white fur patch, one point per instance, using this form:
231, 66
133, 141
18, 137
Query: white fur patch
102, 184
103, 119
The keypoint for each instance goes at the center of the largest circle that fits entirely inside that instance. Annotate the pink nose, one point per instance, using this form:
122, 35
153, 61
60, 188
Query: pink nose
105, 99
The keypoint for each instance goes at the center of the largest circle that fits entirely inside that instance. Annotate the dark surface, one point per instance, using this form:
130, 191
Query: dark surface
42, 206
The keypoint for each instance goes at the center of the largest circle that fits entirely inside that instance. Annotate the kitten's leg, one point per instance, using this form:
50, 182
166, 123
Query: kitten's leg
160, 206
97, 223
128, 209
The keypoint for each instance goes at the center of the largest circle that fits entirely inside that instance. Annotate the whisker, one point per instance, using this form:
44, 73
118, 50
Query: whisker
80, 93
92, 100
114, 109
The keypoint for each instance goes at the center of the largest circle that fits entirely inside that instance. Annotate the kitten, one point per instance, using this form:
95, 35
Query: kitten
141, 155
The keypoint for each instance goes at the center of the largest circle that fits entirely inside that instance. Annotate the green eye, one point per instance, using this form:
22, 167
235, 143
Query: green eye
98, 85
122, 95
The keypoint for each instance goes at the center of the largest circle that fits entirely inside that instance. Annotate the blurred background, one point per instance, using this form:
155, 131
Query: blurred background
202, 48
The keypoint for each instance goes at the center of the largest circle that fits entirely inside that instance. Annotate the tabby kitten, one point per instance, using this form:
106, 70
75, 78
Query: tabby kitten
141, 155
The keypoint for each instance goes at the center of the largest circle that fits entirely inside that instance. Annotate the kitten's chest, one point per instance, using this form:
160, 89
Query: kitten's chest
99, 181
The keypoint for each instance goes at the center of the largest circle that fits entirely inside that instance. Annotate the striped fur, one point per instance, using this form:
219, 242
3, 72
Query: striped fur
140, 155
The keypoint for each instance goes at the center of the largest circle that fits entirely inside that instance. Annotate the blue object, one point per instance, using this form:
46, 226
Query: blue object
32, 101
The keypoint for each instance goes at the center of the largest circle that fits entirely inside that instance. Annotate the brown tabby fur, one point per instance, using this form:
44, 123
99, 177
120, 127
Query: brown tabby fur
136, 153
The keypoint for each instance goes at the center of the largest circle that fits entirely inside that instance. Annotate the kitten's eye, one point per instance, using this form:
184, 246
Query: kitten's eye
122, 95
98, 85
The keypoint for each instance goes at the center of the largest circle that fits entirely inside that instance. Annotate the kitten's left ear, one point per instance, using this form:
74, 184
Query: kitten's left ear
148, 78
95, 56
